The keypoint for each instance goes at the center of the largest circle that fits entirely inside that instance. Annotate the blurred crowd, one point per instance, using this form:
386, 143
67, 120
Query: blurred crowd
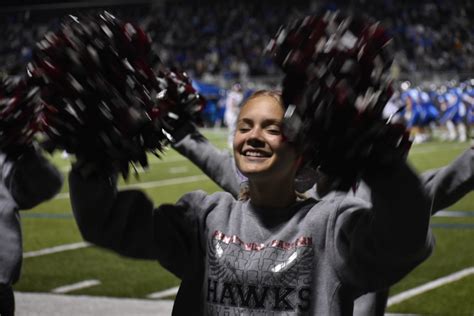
221, 38
227, 38
436, 35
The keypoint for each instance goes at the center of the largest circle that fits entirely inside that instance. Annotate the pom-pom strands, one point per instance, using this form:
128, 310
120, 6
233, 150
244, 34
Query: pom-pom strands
18, 113
336, 85
99, 92
178, 102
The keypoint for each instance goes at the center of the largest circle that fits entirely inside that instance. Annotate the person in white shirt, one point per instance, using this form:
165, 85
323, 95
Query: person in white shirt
232, 107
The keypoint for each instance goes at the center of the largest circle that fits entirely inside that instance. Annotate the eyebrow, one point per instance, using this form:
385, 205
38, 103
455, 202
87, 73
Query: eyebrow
265, 122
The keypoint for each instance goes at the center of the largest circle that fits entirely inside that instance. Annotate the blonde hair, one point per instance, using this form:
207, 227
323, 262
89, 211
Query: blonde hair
244, 192
276, 94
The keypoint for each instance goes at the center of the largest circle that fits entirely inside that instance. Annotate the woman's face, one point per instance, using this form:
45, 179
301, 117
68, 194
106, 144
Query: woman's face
260, 149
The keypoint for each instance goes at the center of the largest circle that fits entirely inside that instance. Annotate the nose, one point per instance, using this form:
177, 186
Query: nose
255, 137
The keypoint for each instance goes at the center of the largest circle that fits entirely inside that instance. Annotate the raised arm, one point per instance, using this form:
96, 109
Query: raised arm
392, 236
401, 220
444, 186
216, 164
127, 223
10, 241
26, 179
447, 185
30, 179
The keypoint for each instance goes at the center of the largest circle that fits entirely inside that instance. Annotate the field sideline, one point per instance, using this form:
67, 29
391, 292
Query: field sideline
86, 270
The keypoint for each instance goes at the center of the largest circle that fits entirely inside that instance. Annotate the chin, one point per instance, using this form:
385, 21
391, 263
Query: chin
255, 173
251, 168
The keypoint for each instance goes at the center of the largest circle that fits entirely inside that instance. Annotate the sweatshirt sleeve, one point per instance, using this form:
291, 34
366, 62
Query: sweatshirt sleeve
127, 222
444, 186
10, 241
377, 243
447, 185
31, 179
216, 164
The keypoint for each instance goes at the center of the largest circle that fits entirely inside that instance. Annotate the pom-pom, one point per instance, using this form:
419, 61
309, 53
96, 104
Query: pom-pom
99, 92
336, 85
180, 105
19, 105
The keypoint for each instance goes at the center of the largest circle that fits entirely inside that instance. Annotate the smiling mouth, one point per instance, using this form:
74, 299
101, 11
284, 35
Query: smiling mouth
255, 154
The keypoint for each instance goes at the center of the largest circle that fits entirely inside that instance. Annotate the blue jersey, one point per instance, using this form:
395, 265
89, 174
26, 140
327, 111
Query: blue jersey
468, 100
413, 111
429, 111
455, 108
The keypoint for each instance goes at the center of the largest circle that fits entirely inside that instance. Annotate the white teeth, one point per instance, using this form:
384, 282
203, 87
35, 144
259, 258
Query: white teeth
254, 154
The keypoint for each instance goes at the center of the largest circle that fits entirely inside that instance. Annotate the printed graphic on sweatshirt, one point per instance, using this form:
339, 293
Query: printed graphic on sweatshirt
246, 278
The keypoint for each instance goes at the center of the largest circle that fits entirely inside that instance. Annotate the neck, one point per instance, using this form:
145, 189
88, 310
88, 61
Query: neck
272, 195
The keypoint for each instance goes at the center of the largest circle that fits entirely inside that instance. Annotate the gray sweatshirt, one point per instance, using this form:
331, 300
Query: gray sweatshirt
233, 258
24, 183
444, 186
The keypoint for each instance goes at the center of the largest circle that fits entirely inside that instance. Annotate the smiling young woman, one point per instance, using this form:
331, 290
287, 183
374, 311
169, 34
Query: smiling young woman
262, 153
273, 252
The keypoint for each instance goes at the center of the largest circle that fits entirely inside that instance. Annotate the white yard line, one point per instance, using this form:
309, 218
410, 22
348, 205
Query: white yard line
175, 170
429, 286
165, 293
162, 183
80, 305
151, 184
61, 196
56, 249
75, 286
454, 214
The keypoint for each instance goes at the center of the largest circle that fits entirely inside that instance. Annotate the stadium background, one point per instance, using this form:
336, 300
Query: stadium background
220, 43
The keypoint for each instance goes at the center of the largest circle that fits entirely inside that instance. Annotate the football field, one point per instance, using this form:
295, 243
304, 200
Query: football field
56, 259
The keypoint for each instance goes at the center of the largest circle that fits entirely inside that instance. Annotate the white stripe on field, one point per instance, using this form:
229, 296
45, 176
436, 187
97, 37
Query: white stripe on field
429, 286
161, 183
153, 162
151, 184
61, 248
175, 170
75, 286
165, 293
454, 214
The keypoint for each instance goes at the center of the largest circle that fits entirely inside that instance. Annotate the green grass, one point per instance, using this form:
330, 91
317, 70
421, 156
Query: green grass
40, 233
454, 299
119, 276
453, 252
51, 224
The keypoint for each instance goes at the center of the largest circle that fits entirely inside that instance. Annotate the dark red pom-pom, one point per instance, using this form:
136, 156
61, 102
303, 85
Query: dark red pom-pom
98, 91
19, 105
101, 97
178, 101
336, 85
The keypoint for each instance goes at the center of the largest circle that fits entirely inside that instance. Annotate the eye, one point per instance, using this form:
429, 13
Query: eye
274, 129
243, 128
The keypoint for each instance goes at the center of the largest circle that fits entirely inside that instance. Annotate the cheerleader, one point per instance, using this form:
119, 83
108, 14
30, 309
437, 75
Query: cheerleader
271, 250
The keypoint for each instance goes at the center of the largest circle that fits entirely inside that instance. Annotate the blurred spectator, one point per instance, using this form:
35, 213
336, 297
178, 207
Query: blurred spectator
232, 108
